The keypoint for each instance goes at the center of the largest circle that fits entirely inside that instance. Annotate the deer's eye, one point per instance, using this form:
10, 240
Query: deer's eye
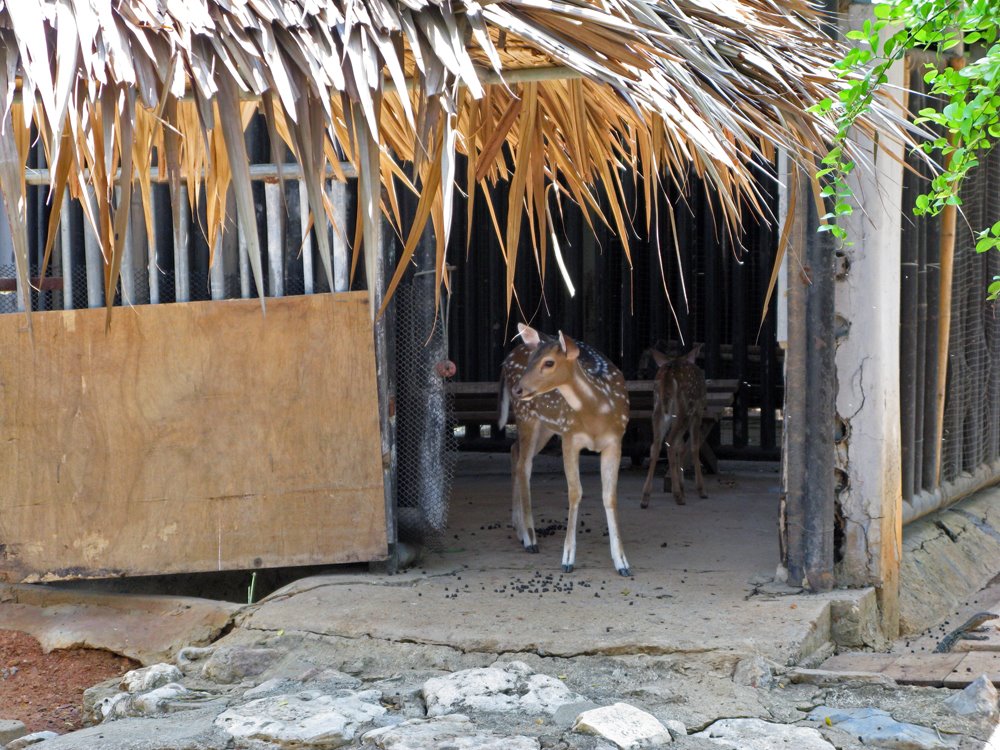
548, 363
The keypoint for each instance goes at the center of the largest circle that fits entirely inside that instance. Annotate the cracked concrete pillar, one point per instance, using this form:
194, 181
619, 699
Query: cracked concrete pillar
868, 436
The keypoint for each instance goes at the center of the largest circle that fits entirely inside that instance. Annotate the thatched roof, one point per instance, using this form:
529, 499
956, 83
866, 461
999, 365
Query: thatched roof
545, 94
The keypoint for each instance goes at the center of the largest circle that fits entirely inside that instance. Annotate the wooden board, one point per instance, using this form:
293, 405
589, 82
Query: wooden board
189, 437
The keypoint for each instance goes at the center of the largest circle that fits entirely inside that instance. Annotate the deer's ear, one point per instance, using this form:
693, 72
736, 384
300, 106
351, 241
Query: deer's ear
659, 357
693, 354
529, 335
568, 346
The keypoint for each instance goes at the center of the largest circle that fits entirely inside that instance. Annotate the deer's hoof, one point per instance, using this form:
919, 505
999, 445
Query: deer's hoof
567, 568
532, 548
703, 495
644, 503
625, 572
680, 501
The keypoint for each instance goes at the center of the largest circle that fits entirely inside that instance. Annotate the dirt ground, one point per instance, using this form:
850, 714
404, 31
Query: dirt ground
45, 691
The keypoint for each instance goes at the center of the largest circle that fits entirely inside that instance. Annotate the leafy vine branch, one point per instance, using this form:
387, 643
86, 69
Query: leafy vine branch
969, 120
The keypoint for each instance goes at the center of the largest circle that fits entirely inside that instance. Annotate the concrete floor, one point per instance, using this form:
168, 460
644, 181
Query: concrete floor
689, 592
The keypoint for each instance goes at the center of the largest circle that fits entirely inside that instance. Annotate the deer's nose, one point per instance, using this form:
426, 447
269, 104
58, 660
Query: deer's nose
518, 391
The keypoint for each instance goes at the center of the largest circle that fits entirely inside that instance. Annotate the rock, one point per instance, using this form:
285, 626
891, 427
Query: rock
271, 687
191, 730
978, 699
30, 739
11, 729
305, 719
190, 657
827, 678
236, 663
453, 731
512, 686
756, 734
165, 699
565, 715
94, 697
754, 672
148, 678
676, 728
625, 725
873, 726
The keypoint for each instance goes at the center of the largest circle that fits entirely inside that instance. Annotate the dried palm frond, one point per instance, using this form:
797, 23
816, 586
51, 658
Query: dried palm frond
534, 92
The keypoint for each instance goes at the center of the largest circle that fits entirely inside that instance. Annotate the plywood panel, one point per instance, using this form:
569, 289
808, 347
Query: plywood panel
189, 437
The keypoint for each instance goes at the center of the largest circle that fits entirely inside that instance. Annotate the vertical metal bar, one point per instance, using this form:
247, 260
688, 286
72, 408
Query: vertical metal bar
95, 261
244, 262
738, 337
920, 355
217, 270
182, 257
272, 201
152, 267
907, 364
307, 255
338, 241
127, 270
66, 250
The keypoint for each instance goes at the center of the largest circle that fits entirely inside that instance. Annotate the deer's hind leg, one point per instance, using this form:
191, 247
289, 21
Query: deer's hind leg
660, 424
696, 455
531, 438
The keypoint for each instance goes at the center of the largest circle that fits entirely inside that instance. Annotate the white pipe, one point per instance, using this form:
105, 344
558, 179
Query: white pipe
272, 200
66, 251
307, 257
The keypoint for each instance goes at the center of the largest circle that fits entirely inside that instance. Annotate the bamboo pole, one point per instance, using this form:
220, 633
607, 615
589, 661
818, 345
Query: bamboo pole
949, 217
182, 277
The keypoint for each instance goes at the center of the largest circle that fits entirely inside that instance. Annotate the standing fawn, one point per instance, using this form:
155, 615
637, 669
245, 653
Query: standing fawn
558, 386
678, 406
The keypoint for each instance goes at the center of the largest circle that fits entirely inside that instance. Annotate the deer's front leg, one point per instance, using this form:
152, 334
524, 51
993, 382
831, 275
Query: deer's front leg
532, 437
611, 459
574, 490
696, 456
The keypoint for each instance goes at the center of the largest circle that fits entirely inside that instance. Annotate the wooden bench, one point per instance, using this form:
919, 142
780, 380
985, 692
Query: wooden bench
477, 403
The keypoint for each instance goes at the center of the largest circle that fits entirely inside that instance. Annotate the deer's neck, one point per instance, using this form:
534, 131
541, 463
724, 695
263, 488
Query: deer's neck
579, 392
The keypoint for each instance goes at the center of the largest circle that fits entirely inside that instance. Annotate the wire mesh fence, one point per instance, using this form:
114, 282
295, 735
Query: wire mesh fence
425, 442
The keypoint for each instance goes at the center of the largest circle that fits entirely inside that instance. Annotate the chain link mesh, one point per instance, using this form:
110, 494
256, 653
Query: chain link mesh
425, 437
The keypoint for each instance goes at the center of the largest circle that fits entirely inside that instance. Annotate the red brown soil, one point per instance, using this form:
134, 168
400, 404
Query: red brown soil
45, 691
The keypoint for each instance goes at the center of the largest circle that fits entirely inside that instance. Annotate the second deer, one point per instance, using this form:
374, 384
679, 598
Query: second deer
678, 407
561, 387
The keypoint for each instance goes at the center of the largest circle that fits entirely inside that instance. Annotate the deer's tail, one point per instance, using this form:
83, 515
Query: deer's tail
504, 396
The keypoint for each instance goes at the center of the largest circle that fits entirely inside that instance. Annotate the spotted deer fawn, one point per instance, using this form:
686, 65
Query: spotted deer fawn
558, 386
678, 407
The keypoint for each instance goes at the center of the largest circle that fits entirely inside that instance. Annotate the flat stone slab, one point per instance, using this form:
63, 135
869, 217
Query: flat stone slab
875, 727
149, 629
954, 669
972, 665
756, 734
453, 731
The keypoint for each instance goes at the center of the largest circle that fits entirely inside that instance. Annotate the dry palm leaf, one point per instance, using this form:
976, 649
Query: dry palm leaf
577, 92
